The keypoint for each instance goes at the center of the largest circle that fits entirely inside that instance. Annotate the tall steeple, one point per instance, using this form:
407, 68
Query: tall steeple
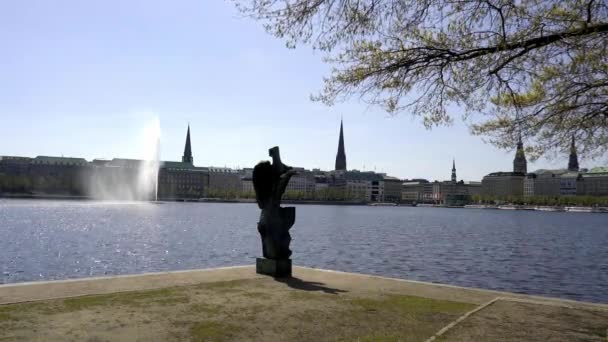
573, 162
341, 155
454, 170
187, 157
519, 163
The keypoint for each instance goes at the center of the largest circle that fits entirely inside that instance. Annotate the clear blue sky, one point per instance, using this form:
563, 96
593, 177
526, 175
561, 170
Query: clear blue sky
81, 78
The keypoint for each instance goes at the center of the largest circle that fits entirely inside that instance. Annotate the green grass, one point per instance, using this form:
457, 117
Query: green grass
211, 331
411, 305
5, 317
202, 308
381, 338
230, 285
233, 310
600, 331
400, 317
257, 295
14, 312
304, 295
167, 296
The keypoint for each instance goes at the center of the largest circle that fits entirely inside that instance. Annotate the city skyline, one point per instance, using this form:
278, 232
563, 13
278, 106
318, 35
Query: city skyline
83, 82
188, 157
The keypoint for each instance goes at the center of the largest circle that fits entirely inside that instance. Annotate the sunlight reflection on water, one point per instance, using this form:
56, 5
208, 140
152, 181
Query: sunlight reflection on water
556, 254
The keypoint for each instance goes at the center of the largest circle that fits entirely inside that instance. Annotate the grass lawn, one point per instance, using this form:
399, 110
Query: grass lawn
254, 309
326, 307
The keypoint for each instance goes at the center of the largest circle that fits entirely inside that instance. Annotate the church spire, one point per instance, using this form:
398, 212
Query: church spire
520, 164
341, 155
573, 162
454, 170
187, 157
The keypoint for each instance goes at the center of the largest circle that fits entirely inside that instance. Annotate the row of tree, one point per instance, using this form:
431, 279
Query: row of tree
47, 184
327, 194
587, 201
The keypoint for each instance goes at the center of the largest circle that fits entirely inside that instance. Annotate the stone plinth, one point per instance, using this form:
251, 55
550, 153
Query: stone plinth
280, 268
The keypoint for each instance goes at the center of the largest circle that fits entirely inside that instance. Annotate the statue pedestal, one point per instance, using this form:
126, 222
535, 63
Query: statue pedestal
280, 268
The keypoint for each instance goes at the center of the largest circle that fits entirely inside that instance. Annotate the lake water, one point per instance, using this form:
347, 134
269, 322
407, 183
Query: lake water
554, 254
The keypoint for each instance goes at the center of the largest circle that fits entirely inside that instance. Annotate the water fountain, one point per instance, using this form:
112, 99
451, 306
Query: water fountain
148, 172
129, 179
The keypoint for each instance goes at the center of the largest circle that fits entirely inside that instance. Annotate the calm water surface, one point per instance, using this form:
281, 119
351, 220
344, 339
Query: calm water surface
554, 254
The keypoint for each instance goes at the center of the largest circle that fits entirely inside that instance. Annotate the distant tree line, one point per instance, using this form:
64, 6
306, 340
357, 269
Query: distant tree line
327, 194
46, 184
586, 201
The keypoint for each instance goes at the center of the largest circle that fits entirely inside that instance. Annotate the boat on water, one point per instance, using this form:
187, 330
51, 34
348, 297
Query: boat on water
579, 209
600, 210
481, 206
553, 209
475, 206
507, 207
383, 204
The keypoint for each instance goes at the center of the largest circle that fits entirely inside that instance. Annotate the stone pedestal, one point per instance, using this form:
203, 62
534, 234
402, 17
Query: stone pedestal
280, 268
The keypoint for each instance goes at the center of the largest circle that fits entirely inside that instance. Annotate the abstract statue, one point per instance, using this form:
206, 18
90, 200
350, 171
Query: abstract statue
269, 183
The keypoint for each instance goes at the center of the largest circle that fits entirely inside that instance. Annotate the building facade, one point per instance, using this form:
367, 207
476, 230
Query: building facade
247, 186
543, 183
473, 188
507, 185
224, 182
302, 185
392, 189
453, 193
59, 175
14, 174
594, 182
503, 185
417, 191
553, 183
182, 180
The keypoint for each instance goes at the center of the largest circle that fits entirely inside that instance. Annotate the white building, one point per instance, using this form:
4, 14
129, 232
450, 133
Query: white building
247, 185
302, 182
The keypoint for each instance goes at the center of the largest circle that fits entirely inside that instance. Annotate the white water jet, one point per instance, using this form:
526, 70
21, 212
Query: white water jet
129, 179
148, 172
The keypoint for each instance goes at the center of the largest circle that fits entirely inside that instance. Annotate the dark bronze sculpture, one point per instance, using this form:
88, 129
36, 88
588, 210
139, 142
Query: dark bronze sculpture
269, 183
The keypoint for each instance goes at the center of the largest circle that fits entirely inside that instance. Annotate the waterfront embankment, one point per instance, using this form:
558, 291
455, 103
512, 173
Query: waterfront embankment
234, 303
574, 209
199, 200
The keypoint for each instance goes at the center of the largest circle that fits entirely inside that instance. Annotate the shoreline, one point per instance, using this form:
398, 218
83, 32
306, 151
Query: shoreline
88, 198
12, 293
189, 200
545, 208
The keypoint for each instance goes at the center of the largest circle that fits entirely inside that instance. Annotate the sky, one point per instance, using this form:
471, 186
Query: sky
84, 78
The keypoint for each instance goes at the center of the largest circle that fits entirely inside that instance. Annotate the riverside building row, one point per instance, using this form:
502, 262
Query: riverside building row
448, 193
44, 175
570, 181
